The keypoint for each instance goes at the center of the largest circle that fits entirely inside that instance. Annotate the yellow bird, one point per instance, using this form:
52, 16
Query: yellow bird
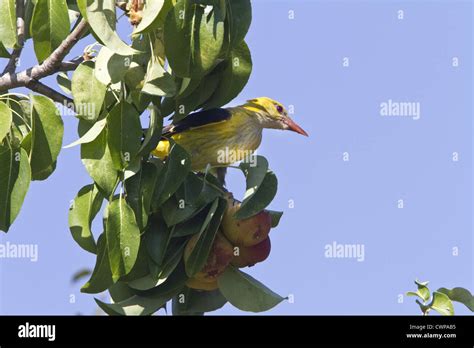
220, 137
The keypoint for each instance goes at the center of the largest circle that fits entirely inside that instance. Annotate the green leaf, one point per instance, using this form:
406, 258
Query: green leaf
239, 14
188, 86
174, 254
246, 293
132, 168
64, 82
21, 116
158, 82
158, 274
260, 199
261, 188
120, 291
111, 67
15, 177
190, 226
3, 51
151, 12
134, 77
193, 38
198, 257
101, 278
5, 120
423, 292
97, 159
124, 134
145, 283
90, 135
46, 138
190, 301
157, 238
176, 169
254, 174
82, 273
88, 92
235, 76
178, 33
123, 237
141, 267
84, 209
461, 295
149, 301
8, 23
196, 99
178, 210
188, 200
49, 26
153, 133
102, 19
139, 190
208, 43
442, 304
276, 216
29, 7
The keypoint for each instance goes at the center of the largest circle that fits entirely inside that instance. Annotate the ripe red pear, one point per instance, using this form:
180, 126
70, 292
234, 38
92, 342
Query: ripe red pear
219, 258
245, 232
249, 256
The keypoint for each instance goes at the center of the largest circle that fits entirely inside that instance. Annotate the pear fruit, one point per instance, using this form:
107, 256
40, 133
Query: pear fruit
246, 232
219, 258
249, 256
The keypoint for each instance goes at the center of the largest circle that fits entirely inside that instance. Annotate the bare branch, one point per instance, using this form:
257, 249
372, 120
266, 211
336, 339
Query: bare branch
51, 93
49, 67
20, 25
71, 65
221, 173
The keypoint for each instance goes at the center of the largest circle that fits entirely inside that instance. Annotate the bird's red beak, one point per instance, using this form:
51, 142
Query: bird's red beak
294, 127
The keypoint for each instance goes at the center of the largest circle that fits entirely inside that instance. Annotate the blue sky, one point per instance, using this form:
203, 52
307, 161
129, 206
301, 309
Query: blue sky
326, 199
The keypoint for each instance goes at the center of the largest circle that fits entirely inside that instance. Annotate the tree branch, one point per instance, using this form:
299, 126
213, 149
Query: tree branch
221, 173
20, 25
51, 93
71, 65
49, 67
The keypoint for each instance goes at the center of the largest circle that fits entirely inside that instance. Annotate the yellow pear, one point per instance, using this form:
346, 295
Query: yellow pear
245, 232
219, 258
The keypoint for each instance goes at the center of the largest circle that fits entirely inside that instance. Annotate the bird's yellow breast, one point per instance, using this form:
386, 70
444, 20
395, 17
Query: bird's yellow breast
218, 144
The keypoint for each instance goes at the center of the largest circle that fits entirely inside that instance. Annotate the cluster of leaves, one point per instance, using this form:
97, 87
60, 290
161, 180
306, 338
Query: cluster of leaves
31, 132
140, 252
442, 299
185, 55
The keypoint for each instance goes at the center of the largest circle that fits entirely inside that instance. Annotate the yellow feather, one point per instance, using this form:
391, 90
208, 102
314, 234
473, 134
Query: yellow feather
218, 144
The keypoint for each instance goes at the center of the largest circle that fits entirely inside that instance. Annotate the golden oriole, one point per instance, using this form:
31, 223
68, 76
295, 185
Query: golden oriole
220, 137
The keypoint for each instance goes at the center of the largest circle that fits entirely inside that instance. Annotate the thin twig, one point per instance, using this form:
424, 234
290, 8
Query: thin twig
71, 65
49, 67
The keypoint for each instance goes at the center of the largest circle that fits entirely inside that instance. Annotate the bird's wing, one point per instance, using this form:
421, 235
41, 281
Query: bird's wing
197, 119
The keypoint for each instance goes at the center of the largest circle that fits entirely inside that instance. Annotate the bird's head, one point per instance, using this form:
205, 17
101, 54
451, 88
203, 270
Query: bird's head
271, 114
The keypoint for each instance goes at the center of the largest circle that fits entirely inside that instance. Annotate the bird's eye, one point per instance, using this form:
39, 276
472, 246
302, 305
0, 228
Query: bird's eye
279, 109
